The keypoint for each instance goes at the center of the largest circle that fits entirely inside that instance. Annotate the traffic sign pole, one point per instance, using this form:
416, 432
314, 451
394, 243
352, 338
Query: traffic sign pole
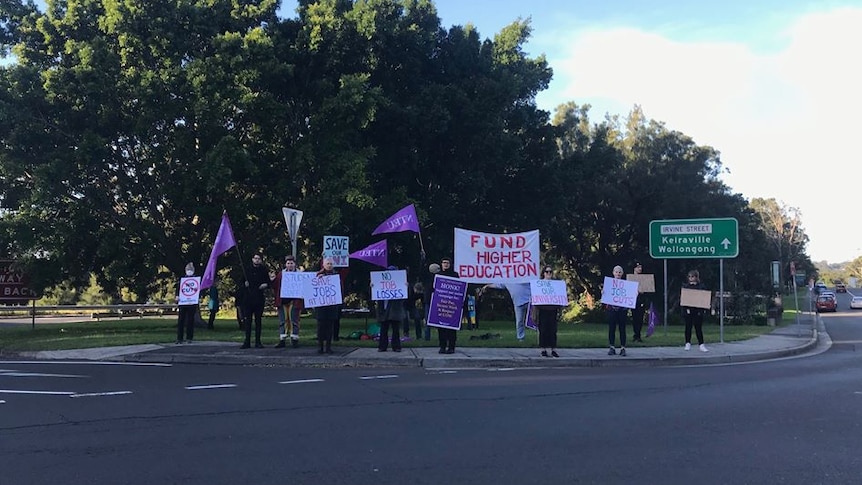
695, 239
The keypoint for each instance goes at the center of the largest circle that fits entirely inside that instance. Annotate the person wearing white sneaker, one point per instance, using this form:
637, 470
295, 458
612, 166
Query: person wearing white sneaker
693, 315
617, 317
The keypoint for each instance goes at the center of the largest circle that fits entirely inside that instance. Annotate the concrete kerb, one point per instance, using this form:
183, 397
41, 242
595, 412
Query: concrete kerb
770, 346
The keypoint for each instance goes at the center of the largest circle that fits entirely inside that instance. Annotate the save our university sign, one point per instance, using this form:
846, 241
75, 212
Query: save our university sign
694, 238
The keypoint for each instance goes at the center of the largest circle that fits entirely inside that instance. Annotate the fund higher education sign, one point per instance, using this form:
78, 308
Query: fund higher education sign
694, 238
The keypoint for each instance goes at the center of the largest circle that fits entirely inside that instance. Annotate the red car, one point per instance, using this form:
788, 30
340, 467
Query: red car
826, 303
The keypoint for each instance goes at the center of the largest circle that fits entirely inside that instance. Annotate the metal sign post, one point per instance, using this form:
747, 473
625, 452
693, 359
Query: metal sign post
695, 239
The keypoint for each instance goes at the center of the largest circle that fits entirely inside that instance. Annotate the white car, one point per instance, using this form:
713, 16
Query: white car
856, 302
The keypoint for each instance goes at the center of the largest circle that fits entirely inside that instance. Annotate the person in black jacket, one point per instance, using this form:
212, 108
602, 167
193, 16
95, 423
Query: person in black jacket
694, 316
257, 281
447, 336
640, 308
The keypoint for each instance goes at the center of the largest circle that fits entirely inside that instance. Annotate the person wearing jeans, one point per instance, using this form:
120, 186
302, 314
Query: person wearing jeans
520, 294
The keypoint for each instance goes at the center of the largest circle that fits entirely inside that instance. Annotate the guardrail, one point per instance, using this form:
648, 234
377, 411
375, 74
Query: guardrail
97, 311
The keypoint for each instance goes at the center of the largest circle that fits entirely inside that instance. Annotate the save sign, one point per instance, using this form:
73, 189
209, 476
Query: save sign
337, 248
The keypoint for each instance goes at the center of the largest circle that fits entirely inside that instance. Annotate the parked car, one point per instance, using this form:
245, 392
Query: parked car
826, 303
840, 288
856, 302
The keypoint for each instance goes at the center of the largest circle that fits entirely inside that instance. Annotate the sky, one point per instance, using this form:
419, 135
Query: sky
773, 85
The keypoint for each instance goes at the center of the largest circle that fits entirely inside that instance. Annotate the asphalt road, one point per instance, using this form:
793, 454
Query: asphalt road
790, 421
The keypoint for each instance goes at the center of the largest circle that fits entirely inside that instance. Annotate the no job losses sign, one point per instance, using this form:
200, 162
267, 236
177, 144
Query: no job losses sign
694, 238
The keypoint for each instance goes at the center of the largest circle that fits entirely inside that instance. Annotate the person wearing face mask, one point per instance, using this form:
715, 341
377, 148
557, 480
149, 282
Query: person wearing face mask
186, 318
617, 320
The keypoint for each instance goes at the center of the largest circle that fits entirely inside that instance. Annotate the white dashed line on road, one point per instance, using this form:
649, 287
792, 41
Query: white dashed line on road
86, 362
36, 374
45, 393
210, 386
390, 376
97, 394
301, 381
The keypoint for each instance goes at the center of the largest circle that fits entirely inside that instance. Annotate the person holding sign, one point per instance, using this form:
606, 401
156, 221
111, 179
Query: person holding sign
617, 320
639, 310
694, 315
391, 310
188, 298
547, 317
288, 308
326, 315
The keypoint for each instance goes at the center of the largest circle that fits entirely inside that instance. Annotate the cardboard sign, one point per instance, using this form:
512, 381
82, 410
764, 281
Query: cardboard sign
322, 291
548, 292
447, 302
389, 285
190, 291
695, 298
337, 248
621, 293
291, 283
646, 282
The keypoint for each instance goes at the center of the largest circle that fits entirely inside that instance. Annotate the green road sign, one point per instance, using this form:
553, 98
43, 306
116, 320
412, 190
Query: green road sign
694, 238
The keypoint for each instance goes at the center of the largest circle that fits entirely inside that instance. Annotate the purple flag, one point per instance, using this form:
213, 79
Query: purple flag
224, 241
403, 220
375, 254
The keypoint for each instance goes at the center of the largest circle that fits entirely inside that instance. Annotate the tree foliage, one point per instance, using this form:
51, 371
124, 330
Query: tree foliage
128, 126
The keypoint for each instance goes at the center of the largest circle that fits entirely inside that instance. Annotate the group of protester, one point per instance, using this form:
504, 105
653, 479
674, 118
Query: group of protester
394, 315
618, 315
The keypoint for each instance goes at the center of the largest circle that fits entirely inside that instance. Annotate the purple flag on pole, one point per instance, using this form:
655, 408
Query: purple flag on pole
375, 254
403, 220
224, 241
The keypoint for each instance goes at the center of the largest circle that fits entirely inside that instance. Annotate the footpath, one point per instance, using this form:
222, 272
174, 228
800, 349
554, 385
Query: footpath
787, 341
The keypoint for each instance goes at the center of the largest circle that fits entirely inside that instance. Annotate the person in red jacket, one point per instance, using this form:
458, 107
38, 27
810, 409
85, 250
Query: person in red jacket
288, 308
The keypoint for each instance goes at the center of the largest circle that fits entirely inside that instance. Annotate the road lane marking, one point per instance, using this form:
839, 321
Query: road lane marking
210, 386
301, 381
46, 393
36, 374
97, 394
389, 376
86, 362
